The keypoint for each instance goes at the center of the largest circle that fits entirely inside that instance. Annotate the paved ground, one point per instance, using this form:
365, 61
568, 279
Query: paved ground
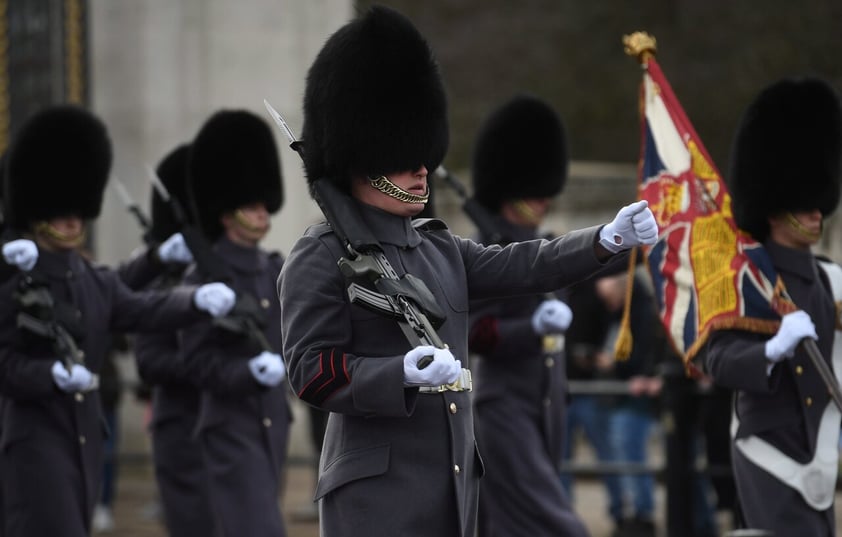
135, 513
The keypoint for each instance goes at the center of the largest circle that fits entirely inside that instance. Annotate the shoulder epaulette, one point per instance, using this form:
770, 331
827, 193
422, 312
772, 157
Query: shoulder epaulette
317, 230
429, 224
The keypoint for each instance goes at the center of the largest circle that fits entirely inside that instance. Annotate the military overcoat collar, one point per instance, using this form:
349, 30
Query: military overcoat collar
800, 263
245, 259
389, 228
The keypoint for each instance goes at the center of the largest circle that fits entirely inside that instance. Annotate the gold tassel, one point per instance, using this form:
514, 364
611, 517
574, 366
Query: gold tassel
623, 345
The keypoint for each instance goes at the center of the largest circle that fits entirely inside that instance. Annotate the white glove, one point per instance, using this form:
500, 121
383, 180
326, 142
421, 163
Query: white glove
215, 298
78, 379
551, 317
21, 253
444, 368
175, 250
268, 368
795, 326
633, 226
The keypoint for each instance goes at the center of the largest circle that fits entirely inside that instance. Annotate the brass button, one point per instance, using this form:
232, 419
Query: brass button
69, 274
264, 303
267, 422
809, 401
549, 362
82, 439
453, 408
456, 469
799, 370
79, 397
547, 401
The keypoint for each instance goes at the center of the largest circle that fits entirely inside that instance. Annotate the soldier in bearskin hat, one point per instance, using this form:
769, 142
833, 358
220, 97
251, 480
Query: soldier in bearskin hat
784, 181
52, 436
234, 185
179, 466
519, 165
399, 456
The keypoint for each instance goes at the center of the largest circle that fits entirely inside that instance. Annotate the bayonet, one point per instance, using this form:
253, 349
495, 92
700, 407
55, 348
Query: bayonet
131, 204
294, 143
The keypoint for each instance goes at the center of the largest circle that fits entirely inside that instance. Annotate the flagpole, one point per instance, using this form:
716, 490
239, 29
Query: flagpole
826, 373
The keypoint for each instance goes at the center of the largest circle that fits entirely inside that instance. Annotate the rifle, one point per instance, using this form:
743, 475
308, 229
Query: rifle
246, 317
478, 214
406, 298
39, 317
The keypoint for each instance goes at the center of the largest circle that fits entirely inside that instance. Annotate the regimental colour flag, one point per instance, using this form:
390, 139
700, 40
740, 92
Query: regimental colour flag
707, 274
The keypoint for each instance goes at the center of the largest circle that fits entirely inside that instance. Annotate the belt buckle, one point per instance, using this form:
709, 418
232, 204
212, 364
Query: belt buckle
463, 383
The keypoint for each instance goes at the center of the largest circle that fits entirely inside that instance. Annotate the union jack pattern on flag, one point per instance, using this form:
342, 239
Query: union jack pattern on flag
707, 274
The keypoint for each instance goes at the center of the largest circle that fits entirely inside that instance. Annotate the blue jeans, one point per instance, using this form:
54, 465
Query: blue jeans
628, 435
585, 412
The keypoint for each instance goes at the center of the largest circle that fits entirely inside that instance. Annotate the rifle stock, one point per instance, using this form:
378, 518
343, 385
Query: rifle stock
33, 297
401, 298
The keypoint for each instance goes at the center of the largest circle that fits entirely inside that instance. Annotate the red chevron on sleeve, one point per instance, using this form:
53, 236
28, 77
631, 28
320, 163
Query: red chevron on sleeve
484, 336
332, 375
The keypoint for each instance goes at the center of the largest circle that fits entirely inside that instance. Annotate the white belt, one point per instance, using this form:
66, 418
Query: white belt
815, 480
462, 384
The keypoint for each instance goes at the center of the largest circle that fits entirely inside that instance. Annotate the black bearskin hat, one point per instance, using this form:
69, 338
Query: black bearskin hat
172, 172
520, 152
786, 153
58, 165
374, 102
233, 162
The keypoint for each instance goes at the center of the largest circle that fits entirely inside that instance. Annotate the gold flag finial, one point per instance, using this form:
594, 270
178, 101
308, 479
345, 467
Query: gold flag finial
640, 45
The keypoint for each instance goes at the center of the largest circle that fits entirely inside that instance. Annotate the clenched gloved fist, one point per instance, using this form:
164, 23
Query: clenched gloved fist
268, 368
77, 380
795, 326
215, 298
175, 250
551, 317
21, 253
633, 226
444, 368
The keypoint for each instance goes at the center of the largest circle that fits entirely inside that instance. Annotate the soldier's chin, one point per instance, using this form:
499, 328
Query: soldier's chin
414, 209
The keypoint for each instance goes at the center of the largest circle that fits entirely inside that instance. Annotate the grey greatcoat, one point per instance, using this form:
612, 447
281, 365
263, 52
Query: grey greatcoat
396, 461
179, 467
52, 442
243, 426
783, 408
519, 399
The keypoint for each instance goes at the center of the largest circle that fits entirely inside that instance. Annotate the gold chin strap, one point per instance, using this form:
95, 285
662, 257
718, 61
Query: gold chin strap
243, 222
392, 190
800, 229
65, 239
525, 211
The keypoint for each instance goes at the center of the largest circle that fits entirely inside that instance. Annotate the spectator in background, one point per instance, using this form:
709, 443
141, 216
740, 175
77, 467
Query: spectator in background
585, 413
630, 417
